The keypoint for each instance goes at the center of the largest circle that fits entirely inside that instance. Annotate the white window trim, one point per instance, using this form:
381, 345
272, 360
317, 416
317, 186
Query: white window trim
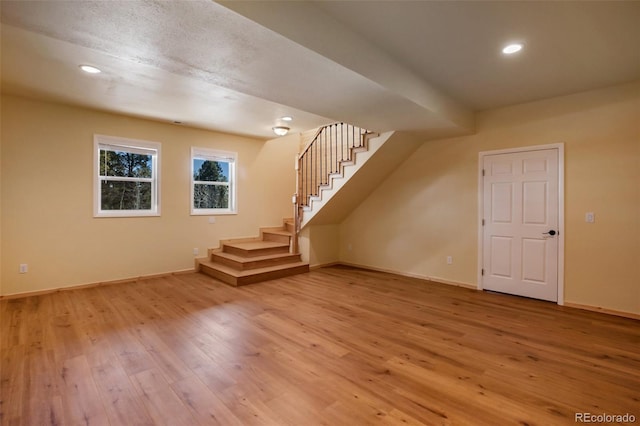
215, 155
130, 145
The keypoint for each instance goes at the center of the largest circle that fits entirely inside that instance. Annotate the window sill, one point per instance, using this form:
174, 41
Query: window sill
125, 214
214, 213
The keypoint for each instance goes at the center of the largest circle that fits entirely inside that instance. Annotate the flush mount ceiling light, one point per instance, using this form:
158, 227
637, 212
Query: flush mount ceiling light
286, 118
280, 130
89, 69
512, 48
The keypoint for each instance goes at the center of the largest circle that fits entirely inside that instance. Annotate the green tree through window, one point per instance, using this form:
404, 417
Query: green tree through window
125, 194
212, 182
127, 177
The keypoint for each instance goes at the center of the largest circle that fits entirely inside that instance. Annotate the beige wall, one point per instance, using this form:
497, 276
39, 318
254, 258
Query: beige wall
47, 195
275, 182
319, 244
427, 209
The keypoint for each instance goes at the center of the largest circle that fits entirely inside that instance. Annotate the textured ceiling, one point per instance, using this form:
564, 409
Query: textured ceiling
239, 66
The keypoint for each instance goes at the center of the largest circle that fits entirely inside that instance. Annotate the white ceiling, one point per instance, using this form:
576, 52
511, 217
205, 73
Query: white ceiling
238, 66
570, 46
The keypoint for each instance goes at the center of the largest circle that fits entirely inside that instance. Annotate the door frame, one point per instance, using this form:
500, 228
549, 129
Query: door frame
481, 155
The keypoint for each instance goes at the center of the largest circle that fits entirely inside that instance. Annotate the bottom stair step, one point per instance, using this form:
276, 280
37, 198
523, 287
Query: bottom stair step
236, 277
244, 263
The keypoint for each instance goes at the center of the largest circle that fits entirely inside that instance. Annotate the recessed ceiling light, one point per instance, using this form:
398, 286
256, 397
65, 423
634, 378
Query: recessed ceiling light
510, 49
89, 69
286, 118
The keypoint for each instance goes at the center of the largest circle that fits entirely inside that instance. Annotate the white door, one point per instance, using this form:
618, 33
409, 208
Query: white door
520, 215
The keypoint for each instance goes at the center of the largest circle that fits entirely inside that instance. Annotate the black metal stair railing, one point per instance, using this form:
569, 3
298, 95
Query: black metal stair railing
332, 147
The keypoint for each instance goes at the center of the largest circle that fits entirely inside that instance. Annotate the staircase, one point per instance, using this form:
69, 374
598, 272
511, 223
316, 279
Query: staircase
340, 193
251, 260
324, 161
333, 147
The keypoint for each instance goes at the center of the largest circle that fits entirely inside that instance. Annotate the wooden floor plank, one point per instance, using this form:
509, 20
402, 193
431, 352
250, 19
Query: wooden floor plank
161, 401
80, 398
204, 405
44, 402
336, 346
14, 396
118, 395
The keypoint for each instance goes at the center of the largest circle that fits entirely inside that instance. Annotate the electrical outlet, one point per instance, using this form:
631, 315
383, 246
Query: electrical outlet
212, 219
24, 268
449, 260
196, 251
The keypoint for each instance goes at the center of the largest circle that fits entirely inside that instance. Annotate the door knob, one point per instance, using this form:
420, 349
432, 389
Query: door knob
552, 233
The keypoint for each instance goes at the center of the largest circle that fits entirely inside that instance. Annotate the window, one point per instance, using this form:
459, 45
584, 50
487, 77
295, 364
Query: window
126, 176
213, 176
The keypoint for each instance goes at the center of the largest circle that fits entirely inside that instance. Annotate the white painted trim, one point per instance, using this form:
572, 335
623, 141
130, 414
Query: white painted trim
560, 148
480, 214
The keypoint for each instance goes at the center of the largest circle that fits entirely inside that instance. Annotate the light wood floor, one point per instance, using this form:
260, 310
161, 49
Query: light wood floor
337, 346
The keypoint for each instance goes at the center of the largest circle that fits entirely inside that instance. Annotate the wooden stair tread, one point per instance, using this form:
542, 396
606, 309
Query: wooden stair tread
278, 232
256, 245
244, 273
244, 259
237, 278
